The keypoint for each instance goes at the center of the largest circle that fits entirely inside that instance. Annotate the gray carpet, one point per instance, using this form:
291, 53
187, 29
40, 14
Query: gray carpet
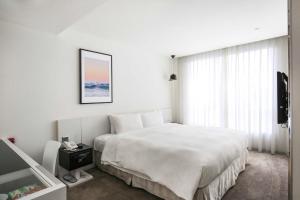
265, 178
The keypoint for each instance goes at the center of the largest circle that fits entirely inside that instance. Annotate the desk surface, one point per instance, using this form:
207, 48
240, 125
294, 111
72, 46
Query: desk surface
10, 161
16, 173
20, 175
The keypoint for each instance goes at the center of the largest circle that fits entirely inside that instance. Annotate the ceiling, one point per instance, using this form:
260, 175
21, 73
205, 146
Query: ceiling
180, 27
51, 16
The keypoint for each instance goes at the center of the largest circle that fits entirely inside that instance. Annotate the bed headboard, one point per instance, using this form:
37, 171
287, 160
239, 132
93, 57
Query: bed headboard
85, 129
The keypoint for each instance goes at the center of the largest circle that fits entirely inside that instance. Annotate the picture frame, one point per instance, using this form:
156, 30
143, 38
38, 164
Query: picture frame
96, 83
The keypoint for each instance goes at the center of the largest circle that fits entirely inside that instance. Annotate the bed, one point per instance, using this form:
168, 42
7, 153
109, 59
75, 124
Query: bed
174, 161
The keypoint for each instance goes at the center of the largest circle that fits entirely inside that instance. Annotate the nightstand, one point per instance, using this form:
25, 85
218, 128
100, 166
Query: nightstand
73, 160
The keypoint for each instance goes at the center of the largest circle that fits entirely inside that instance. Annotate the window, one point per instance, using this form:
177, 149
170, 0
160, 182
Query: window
235, 88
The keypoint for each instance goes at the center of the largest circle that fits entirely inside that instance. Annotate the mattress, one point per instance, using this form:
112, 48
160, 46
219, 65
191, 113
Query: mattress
99, 142
182, 158
213, 191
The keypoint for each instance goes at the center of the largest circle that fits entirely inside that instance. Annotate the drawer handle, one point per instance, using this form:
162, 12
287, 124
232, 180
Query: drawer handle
82, 156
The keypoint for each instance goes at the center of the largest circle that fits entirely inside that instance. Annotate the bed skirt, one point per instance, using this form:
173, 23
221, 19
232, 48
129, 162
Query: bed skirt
214, 191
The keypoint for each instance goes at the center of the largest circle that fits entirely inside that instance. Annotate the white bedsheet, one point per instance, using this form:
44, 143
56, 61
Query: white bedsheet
180, 157
99, 142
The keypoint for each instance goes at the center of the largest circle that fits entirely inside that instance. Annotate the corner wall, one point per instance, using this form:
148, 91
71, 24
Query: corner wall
39, 82
295, 97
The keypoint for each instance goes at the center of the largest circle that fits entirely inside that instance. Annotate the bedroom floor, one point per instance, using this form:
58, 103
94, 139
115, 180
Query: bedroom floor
265, 178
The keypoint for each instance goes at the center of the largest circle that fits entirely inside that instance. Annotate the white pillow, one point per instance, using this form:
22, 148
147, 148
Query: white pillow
125, 122
150, 119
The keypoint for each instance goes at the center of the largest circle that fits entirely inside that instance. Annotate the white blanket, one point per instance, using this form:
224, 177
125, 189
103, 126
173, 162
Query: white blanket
179, 157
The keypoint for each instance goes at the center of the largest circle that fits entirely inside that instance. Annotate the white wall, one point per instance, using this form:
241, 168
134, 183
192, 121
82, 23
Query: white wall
39, 82
295, 97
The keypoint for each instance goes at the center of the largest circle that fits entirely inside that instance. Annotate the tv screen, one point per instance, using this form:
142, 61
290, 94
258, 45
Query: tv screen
282, 98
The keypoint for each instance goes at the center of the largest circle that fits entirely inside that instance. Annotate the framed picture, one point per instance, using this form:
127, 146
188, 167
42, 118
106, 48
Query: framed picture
95, 77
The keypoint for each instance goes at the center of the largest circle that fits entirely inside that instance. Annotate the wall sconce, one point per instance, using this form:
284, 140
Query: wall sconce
173, 76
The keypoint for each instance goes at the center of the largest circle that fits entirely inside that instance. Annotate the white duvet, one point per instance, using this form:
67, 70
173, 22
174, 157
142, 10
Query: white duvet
179, 157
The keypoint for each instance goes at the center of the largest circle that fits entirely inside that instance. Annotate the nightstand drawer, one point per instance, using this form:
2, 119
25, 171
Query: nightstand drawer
80, 159
71, 160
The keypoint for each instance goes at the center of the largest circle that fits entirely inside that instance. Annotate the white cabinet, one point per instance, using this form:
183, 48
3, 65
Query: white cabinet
23, 178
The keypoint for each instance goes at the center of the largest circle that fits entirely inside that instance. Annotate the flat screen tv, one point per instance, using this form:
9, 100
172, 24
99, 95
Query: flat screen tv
282, 98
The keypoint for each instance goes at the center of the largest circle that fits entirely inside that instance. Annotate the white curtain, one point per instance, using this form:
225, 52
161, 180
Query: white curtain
236, 88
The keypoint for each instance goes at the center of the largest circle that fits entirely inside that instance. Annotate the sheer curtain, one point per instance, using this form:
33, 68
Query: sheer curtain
236, 88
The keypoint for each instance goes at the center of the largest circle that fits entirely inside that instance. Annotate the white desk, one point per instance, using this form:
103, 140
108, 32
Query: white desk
18, 170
